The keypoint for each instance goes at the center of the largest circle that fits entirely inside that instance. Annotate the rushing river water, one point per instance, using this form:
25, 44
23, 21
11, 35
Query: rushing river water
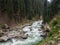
34, 35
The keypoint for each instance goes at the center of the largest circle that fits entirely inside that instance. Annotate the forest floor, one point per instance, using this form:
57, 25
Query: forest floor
54, 35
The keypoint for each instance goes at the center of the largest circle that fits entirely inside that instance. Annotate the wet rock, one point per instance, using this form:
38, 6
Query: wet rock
24, 37
5, 26
44, 35
1, 34
11, 34
3, 38
45, 28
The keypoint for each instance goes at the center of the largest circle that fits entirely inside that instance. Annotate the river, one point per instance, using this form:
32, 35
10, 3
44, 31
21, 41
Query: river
34, 35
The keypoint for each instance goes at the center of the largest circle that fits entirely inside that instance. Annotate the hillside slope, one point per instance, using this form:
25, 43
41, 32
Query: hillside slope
54, 35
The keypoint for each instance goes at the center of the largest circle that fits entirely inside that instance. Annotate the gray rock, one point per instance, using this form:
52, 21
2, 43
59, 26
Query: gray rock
24, 36
12, 34
44, 35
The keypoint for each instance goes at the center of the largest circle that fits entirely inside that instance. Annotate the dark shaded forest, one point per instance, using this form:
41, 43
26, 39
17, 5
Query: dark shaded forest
18, 10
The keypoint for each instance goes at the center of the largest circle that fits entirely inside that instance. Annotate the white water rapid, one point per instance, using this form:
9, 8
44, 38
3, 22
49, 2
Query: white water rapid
34, 35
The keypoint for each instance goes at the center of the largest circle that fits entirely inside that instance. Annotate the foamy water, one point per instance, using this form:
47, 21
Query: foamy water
33, 32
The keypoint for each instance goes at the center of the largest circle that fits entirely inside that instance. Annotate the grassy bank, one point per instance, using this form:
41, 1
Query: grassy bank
54, 34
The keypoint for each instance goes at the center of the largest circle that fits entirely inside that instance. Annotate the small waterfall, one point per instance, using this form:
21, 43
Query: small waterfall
33, 32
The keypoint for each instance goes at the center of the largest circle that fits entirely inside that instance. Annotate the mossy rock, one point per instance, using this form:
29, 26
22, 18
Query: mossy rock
4, 26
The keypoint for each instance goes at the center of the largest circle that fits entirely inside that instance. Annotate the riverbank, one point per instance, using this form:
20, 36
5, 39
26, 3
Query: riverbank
54, 34
27, 34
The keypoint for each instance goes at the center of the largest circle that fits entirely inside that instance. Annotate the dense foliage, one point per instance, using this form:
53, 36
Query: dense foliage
29, 8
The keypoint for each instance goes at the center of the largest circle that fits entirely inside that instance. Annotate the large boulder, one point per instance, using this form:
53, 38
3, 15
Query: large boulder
44, 35
45, 27
4, 38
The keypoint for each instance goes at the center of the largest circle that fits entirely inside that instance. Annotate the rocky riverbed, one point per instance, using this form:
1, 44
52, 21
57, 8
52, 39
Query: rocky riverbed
25, 35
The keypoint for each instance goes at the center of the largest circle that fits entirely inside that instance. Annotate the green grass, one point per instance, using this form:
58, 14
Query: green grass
54, 32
